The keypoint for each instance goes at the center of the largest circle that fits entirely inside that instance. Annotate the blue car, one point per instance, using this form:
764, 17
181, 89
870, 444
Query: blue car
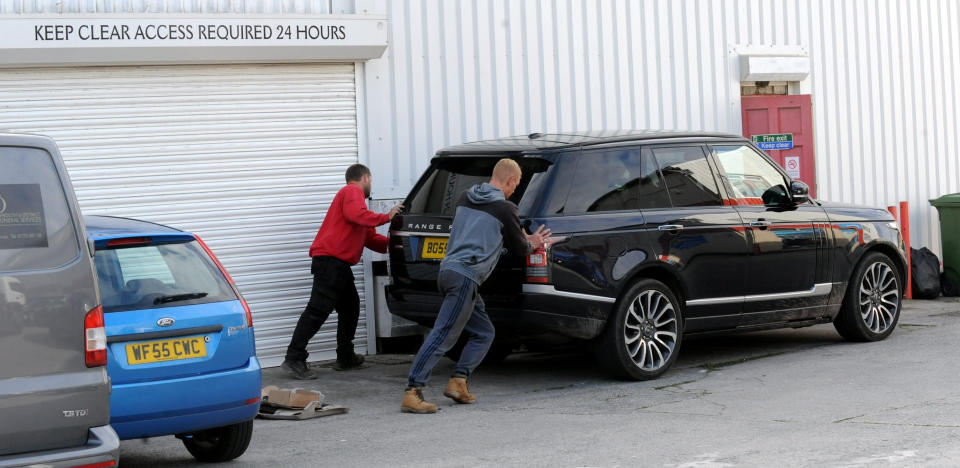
180, 348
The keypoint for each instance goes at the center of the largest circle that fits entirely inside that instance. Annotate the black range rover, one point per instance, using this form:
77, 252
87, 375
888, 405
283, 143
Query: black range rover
655, 235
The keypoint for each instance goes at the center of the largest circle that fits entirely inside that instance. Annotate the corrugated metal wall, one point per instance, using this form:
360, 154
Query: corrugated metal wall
251, 166
883, 81
31, 7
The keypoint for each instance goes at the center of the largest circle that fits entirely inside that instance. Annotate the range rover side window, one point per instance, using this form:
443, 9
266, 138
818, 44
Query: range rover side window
653, 187
751, 179
687, 176
613, 180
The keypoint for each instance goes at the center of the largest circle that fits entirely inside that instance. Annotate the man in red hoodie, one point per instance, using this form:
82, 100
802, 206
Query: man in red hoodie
346, 230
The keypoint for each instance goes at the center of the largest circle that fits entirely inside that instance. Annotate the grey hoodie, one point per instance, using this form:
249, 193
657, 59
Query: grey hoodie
483, 224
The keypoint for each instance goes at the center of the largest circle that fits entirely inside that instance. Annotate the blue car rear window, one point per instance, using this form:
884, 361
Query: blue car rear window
159, 275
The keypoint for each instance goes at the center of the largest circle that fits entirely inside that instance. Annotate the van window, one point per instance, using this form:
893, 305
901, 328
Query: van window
154, 276
36, 227
616, 179
447, 178
688, 176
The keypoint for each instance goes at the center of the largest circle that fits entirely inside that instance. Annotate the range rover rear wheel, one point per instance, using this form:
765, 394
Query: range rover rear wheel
871, 306
643, 336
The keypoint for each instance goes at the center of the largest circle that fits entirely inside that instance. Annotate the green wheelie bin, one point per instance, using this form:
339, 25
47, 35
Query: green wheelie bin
948, 206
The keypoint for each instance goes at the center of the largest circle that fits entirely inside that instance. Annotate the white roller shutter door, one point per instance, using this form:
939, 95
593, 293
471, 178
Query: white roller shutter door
247, 156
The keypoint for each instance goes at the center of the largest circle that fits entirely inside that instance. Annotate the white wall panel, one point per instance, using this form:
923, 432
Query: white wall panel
883, 81
248, 156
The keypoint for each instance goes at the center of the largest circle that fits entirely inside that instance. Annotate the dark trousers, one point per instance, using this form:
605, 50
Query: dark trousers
333, 288
462, 310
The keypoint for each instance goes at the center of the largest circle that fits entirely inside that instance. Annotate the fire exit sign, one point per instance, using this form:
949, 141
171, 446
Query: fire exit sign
775, 141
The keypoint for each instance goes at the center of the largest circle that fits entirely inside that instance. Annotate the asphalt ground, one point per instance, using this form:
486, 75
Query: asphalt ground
778, 398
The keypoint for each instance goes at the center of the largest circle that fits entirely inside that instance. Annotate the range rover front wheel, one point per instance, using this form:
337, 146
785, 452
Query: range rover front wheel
643, 336
871, 306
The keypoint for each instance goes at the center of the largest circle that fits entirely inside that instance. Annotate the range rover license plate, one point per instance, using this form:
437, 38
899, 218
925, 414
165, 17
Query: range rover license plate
434, 247
166, 350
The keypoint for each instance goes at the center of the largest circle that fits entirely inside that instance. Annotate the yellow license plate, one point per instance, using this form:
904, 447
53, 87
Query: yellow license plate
166, 350
434, 247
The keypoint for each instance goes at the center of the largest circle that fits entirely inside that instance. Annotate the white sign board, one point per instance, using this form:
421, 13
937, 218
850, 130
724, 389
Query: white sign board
58, 40
792, 165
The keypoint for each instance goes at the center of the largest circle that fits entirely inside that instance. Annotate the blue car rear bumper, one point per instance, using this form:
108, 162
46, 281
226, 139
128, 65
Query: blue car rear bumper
175, 406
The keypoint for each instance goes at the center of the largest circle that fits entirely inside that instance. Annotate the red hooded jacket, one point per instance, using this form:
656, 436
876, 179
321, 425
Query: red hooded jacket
349, 227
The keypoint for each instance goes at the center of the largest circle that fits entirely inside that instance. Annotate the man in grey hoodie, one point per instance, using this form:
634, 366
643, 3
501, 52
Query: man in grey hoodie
484, 223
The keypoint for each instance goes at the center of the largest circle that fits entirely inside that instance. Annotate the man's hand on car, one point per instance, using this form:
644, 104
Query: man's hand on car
396, 209
538, 238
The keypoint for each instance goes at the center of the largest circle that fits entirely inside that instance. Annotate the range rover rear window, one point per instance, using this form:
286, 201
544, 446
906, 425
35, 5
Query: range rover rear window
447, 178
36, 227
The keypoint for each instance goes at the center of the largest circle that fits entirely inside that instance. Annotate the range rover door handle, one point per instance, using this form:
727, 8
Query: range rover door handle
760, 224
670, 227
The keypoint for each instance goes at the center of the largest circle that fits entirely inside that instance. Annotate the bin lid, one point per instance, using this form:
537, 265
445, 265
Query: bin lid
950, 200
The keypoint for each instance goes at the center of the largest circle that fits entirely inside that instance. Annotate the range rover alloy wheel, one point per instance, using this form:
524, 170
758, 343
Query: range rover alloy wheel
871, 307
643, 337
878, 297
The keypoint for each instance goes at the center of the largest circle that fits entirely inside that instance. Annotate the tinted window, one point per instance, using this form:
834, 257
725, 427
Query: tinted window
547, 191
687, 175
449, 177
752, 180
36, 226
154, 276
615, 179
653, 188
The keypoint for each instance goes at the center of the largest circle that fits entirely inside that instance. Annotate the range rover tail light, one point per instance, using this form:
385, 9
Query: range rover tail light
537, 270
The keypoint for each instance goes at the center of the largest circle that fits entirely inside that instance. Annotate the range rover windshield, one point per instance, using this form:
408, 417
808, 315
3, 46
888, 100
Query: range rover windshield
448, 177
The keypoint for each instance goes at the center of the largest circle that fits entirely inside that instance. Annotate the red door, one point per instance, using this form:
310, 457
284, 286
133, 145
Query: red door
764, 115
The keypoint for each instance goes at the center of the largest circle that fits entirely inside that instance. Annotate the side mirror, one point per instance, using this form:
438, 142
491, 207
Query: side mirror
799, 192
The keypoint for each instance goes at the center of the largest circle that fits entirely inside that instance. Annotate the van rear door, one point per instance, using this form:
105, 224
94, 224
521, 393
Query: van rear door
49, 397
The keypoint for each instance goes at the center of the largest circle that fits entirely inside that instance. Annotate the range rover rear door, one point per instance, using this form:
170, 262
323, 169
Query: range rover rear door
693, 233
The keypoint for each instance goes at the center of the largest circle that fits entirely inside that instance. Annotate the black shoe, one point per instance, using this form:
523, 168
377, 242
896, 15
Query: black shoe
299, 370
353, 362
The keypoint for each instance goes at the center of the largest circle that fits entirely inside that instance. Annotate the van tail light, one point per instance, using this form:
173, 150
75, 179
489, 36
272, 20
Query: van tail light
95, 338
243, 302
536, 269
105, 464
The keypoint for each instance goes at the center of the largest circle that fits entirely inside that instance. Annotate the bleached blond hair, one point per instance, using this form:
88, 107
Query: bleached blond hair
505, 169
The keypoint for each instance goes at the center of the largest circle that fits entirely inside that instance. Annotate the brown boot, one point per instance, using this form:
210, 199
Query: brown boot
457, 391
413, 402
